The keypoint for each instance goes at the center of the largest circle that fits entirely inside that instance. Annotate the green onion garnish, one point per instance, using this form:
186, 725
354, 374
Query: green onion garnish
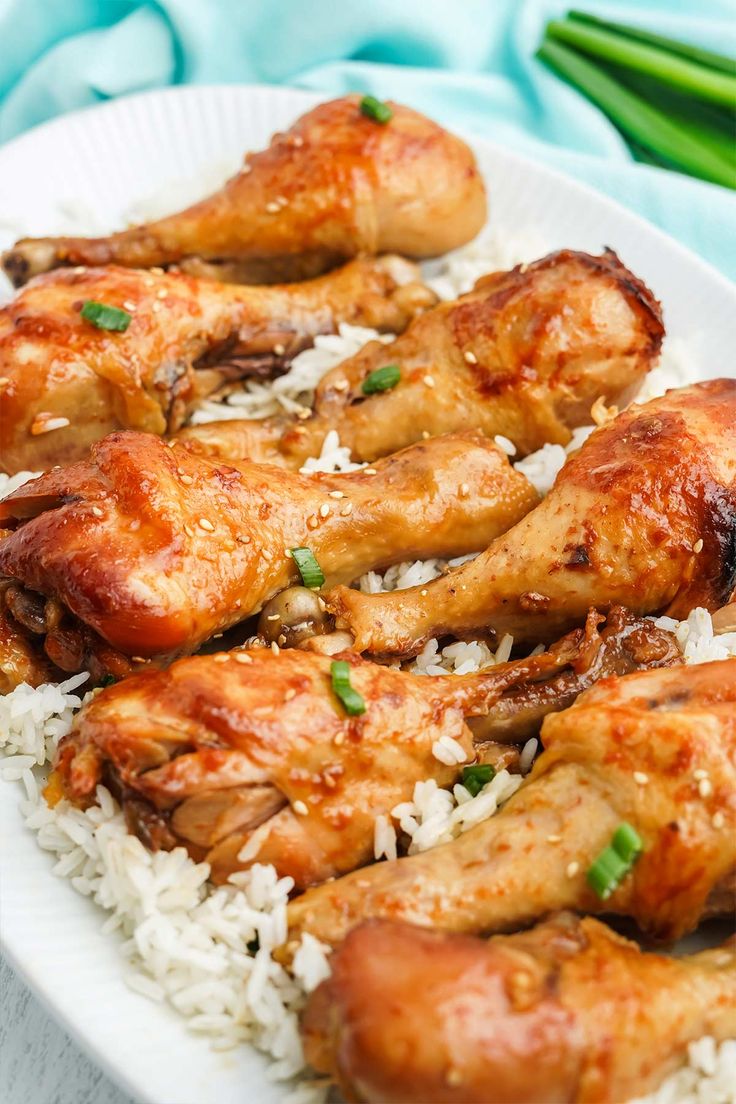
105, 317
108, 680
476, 777
381, 379
350, 698
615, 861
376, 109
253, 946
310, 571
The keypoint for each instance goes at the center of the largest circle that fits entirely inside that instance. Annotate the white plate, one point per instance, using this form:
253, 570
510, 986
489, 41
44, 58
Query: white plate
104, 159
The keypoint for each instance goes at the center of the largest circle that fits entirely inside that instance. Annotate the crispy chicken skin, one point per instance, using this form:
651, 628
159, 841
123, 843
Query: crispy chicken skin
525, 354
187, 338
531, 858
334, 186
216, 747
567, 1013
155, 549
643, 515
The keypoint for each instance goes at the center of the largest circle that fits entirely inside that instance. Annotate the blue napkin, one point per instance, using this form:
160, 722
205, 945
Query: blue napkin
468, 63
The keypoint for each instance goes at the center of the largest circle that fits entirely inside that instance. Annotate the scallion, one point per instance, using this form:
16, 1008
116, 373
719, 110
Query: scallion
672, 45
376, 110
105, 317
381, 379
615, 861
352, 701
475, 777
310, 571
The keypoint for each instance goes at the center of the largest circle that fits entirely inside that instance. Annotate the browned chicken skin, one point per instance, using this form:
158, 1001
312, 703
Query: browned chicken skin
567, 1013
655, 749
155, 549
525, 354
643, 515
186, 339
219, 746
335, 186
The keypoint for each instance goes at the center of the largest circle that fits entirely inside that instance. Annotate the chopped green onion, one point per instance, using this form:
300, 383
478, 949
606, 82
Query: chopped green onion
310, 571
105, 317
376, 109
627, 842
108, 680
352, 701
253, 946
476, 777
677, 72
381, 379
615, 861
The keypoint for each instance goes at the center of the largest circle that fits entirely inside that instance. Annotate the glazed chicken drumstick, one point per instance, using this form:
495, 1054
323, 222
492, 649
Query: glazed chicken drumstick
254, 750
336, 185
643, 515
654, 749
525, 354
66, 382
155, 549
567, 1013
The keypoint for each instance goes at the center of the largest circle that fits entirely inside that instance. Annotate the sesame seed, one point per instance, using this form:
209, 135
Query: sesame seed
339, 738
266, 554
237, 603
641, 778
157, 271
148, 281
46, 423
279, 349
161, 293
243, 538
312, 522
246, 168
290, 693
301, 808
429, 380
470, 358
554, 839
425, 434
347, 509
130, 307
464, 490
718, 819
189, 532
336, 494
275, 648
242, 657
79, 270
273, 208
303, 412
454, 1076
187, 480
281, 640
206, 524
698, 546
97, 511
282, 201
340, 385
572, 869
369, 471
221, 657
297, 140
4, 382
138, 659
424, 592
700, 773
324, 509
705, 789
156, 307
273, 617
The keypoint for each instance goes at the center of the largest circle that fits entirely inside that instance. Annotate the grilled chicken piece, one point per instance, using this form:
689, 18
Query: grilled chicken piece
20, 661
643, 515
66, 383
525, 354
155, 549
250, 748
566, 1013
335, 186
655, 749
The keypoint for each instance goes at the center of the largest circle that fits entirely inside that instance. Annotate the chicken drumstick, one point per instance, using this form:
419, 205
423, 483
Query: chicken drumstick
155, 549
643, 515
654, 749
525, 354
250, 748
66, 382
336, 185
567, 1013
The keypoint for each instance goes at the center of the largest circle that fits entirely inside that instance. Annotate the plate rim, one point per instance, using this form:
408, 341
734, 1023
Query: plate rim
12, 944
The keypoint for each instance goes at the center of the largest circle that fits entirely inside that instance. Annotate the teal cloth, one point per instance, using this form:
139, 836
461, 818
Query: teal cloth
468, 63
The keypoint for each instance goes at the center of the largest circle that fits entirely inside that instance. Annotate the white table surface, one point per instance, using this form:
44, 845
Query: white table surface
39, 1063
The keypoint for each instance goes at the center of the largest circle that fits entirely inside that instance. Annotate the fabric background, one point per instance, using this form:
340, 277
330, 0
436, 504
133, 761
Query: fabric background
469, 63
